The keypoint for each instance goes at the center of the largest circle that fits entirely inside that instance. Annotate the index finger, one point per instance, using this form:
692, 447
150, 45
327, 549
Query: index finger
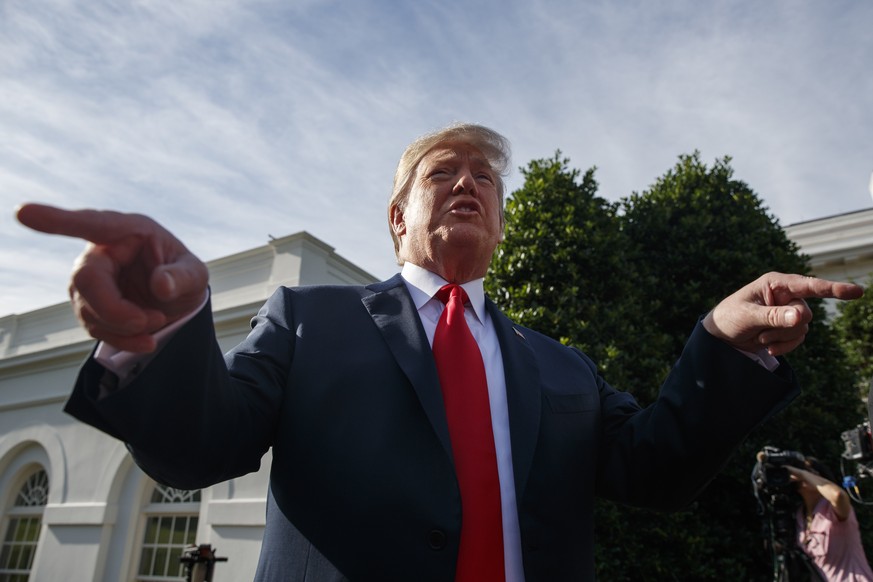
97, 226
801, 287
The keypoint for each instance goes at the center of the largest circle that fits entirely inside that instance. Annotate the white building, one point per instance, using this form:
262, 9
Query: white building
840, 247
73, 506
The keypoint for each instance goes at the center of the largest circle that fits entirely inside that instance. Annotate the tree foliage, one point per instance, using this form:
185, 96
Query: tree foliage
854, 328
626, 283
583, 293
696, 236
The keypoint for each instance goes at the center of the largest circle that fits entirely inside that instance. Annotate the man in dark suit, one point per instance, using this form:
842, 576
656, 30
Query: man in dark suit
341, 382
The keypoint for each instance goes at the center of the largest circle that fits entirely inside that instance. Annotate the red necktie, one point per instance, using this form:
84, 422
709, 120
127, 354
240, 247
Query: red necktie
465, 393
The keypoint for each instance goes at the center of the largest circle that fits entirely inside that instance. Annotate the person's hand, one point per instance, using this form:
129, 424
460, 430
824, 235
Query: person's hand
771, 312
133, 278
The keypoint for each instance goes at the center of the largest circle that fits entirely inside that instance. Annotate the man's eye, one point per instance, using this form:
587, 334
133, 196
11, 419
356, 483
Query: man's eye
486, 177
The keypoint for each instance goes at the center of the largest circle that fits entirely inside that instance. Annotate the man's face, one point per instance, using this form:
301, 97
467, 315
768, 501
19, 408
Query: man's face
452, 211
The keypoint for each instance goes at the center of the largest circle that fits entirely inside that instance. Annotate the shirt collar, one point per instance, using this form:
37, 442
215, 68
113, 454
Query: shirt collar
424, 284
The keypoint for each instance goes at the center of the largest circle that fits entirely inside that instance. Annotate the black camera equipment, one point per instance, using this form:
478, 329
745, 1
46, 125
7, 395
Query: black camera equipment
858, 443
778, 502
858, 449
199, 563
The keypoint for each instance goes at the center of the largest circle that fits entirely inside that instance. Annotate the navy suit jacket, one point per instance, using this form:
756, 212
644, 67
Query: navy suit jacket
341, 383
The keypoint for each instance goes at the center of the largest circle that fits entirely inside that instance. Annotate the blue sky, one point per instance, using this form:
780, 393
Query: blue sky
232, 120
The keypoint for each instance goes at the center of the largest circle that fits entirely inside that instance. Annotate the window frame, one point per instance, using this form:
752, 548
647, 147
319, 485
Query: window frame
22, 509
166, 503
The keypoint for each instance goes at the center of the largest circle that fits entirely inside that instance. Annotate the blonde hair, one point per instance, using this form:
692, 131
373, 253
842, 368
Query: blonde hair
491, 144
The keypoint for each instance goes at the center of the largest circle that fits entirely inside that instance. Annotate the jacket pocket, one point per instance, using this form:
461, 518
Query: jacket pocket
568, 403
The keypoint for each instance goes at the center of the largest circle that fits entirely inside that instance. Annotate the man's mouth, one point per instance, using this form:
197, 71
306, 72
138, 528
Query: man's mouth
464, 207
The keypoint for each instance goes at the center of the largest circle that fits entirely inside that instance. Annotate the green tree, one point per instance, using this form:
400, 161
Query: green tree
562, 269
695, 236
854, 328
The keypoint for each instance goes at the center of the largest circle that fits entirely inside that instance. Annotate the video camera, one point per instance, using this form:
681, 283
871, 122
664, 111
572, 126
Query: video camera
858, 443
778, 502
199, 562
856, 462
770, 474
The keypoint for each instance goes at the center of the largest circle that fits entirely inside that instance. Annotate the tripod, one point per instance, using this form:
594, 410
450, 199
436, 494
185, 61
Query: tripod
790, 562
793, 565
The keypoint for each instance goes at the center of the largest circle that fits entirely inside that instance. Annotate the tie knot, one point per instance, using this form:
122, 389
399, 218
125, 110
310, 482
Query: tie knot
451, 291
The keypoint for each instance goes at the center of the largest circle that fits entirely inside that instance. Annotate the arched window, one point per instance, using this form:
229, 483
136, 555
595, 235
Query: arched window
24, 520
170, 526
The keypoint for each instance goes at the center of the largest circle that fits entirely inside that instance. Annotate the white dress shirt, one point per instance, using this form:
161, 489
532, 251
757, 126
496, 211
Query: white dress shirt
423, 285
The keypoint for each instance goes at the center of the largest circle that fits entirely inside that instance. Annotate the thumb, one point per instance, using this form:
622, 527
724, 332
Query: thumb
785, 316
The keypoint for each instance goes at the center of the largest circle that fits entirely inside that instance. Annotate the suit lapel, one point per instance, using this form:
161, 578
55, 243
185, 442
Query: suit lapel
395, 315
522, 394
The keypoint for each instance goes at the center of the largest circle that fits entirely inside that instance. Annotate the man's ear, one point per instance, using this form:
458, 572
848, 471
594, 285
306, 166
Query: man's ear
398, 225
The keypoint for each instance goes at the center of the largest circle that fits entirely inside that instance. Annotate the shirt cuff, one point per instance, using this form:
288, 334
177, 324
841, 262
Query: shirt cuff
763, 357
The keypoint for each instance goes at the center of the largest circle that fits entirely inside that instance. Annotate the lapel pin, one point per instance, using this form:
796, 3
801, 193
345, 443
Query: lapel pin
518, 333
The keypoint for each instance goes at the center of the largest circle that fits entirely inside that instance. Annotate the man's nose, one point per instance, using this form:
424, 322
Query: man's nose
466, 184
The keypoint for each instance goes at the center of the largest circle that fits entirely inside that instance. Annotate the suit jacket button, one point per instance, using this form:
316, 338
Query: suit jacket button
436, 539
